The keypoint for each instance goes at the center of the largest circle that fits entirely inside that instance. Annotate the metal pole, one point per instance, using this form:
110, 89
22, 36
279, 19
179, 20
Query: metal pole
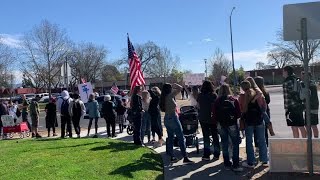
206, 71
231, 38
304, 37
66, 73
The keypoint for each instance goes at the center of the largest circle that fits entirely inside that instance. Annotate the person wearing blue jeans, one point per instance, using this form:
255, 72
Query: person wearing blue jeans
168, 105
260, 135
146, 126
226, 111
253, 118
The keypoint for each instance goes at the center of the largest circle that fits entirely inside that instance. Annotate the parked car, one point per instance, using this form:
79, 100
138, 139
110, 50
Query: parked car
44, 99
29, 97
40, 95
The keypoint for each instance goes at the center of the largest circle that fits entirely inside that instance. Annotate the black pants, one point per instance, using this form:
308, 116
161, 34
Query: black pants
210, 130
156, 126
53, 130
137, 120
25, 119
66, 120
76, 124
111, 122
95, 123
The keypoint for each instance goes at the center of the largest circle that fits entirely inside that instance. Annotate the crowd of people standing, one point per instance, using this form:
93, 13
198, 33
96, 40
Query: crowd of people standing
222, 116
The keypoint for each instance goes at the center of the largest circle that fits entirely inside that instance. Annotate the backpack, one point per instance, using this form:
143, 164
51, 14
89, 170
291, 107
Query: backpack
76, 109
253, 116
120, 109
226, 112
297, 90
65, 107
18, 113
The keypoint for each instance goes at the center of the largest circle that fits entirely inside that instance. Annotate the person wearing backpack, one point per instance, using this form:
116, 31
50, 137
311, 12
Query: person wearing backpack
121, 110
34, 114
76, 111
109, 115
314, 103
292, 103
226, 111
51, 117
93, 111
63, 109
252, 114
205, 100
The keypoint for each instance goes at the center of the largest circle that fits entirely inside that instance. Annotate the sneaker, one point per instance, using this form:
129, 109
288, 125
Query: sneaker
114, 136
174, 159
54, 134
245, 164
237, 169
205, 158
265, 164
228, 168
186, 160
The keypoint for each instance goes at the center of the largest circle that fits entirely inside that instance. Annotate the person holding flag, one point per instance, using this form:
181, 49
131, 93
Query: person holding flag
137, 80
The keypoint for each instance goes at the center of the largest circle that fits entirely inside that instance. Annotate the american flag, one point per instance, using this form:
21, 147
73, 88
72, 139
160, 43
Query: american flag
136, 75
114, 89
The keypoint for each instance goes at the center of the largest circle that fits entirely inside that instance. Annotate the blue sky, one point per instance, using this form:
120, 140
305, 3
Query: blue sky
190, 29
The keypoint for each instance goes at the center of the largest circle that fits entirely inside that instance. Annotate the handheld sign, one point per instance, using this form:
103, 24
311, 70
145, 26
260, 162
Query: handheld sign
7, 120
85, 90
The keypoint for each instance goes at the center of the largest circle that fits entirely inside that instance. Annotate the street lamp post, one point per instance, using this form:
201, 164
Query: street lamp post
234, 71
206, 70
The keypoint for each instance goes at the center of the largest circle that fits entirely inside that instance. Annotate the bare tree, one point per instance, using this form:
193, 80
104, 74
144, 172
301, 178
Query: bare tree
6, 61
220, 65
260, 65
111, 73
87, 60
280, 58
147, 53
45, 47
163, 65
295, 48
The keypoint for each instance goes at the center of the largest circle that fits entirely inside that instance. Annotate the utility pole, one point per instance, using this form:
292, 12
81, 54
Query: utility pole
206, 70
231, 39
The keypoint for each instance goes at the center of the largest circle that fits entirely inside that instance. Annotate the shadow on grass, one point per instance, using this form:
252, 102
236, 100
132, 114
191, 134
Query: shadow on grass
116, 147
147, 162
73, 146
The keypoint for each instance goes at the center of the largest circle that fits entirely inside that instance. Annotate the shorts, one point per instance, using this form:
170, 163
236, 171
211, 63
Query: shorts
35, 121
314, 119
295, 118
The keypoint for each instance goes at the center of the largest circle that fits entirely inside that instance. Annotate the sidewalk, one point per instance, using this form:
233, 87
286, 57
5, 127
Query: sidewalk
199, 170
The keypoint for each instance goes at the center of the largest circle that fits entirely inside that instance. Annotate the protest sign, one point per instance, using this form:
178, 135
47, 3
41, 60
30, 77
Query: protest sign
194, 79
85, 90
7, 120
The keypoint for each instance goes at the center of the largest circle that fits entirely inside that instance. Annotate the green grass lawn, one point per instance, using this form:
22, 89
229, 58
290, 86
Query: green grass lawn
77, 159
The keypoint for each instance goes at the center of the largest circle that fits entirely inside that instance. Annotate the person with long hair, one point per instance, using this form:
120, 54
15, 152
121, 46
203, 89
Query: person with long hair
154, 111
206, 99
93, 111
146, 119
171, 120
226, 111
51, 116
253, 122
260, 83
136, 108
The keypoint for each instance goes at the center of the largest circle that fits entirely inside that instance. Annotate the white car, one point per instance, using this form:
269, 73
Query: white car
29, 97
44, 99
40, 95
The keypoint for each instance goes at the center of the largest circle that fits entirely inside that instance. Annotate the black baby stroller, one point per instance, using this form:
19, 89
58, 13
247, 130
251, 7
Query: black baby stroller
130, 127
188, 117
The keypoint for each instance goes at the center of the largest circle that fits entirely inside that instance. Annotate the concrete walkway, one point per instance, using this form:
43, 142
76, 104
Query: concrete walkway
199, 170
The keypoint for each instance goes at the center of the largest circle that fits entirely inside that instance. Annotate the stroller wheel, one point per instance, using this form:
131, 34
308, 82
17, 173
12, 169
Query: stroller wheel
11, 135
197, 145
130, 130
21, 135
27, 133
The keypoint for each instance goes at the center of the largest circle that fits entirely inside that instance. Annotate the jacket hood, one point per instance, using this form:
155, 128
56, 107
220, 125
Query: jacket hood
65, 95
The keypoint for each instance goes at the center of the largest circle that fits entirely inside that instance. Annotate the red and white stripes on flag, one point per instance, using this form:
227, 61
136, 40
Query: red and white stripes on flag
136, 75
114, 89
